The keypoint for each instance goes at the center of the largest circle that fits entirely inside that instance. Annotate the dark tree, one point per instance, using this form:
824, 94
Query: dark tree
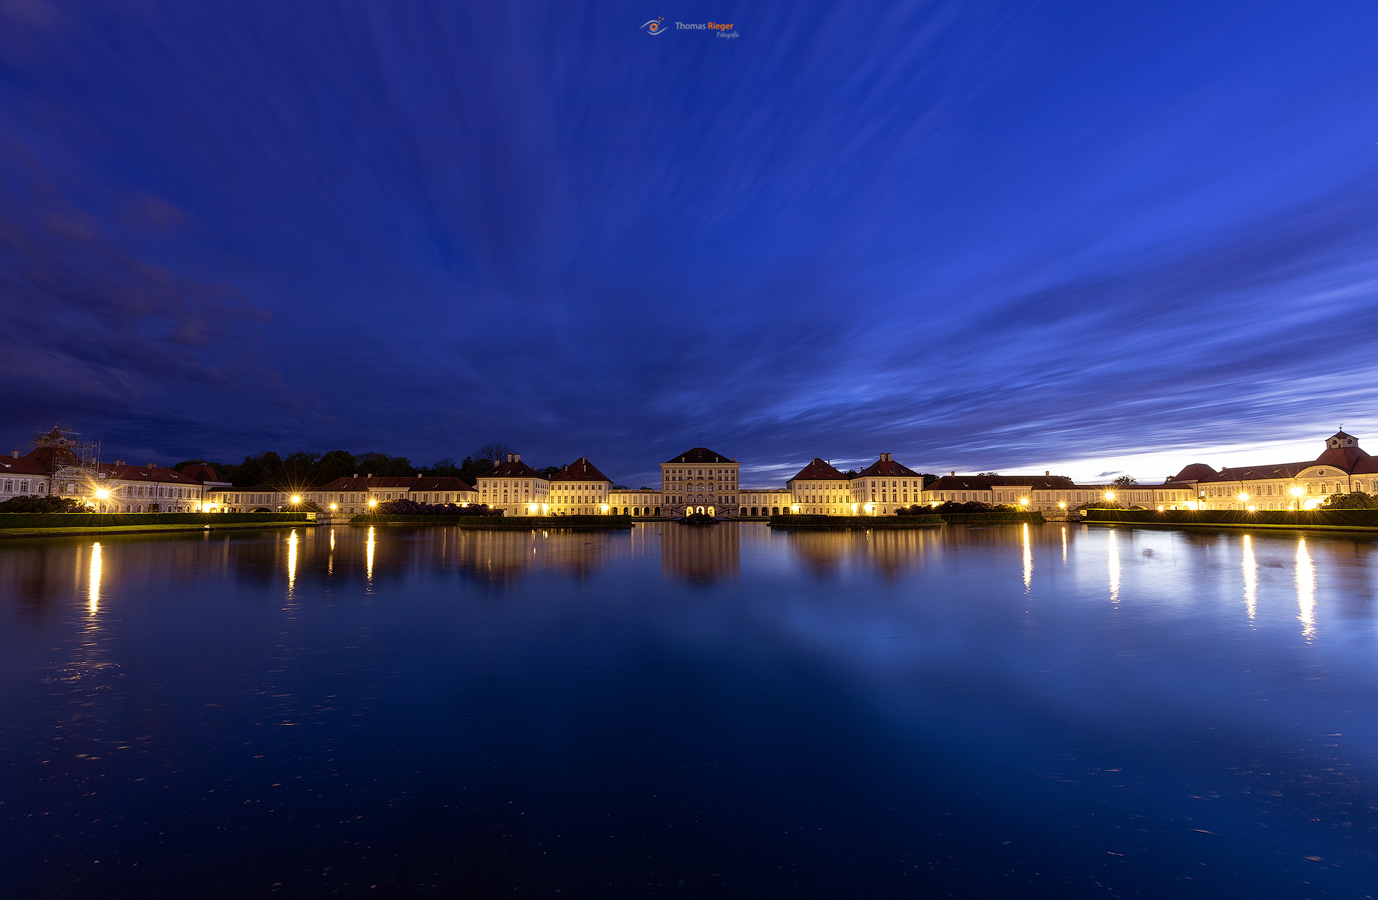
335, 464
1124, 481
48, 504
444, 468
380, 464
473, 468
1355, 500
496, 451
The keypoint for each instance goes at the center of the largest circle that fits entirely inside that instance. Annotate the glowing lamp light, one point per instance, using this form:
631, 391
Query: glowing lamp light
102, 493
1243, 497
1023, 501
603, 508
333, 507
1252, 508
1062, 504
296, 498
1110, 495
1160, 507
870, 508
372, 502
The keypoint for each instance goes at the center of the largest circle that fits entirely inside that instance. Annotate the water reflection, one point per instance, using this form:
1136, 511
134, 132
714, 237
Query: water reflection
93, 589
887, 551
1113, 554
1306, 590
1028, 560
368, 556
937, 685
291, 561
1250, 578
702, 554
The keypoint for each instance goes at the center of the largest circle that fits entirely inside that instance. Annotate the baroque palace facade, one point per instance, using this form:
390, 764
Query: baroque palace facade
698, 480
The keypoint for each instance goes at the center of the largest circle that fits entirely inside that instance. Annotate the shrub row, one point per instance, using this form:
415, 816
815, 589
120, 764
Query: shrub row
994, 516
499, 523
1319, 518
811, 521
91, 520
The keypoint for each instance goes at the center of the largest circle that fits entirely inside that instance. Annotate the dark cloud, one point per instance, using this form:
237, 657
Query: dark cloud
976, 237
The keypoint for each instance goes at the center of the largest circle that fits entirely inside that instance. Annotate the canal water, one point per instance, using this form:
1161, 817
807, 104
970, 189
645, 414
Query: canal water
1013, 711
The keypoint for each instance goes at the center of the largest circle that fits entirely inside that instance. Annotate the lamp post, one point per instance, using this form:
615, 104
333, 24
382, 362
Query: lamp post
1296, 497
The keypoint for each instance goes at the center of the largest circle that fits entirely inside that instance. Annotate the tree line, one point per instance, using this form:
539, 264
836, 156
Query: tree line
304, 470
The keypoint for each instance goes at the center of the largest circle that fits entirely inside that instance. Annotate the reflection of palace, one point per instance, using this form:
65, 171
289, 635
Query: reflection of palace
885, 550
700, 553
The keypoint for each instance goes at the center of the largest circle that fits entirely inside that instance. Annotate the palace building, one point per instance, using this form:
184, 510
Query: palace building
579, 489
699, 481
515, 488
1341, 468
356, 495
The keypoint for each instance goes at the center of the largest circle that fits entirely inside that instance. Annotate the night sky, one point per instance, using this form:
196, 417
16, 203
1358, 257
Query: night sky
1094, 237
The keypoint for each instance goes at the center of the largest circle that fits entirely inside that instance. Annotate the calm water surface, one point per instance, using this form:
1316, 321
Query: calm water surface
1009, 711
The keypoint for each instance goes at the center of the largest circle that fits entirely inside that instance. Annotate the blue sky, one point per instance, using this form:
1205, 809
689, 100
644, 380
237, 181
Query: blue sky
1082, 236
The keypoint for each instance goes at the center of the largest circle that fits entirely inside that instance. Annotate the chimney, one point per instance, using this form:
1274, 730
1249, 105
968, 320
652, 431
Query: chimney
370, 475
14, 453
516, 457
1047, 472
356, 474
954, 472
418, 474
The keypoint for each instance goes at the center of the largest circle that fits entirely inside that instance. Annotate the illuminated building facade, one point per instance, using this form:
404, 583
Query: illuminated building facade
1342, 468
515, 488
699, 481
819, 489
347, 496
884, 486
579, 489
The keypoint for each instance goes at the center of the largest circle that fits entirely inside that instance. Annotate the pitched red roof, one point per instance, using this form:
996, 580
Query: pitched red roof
398, 482
1256, 473
1032, 482
160, 474
699, 456
202, 472
53, 458
512, 468
887, 468
1195, 472
1341, 457
23, 465
580, 470
818, 470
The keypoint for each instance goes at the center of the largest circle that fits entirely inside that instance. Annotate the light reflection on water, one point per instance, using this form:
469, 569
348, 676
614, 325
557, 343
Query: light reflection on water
997, 709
